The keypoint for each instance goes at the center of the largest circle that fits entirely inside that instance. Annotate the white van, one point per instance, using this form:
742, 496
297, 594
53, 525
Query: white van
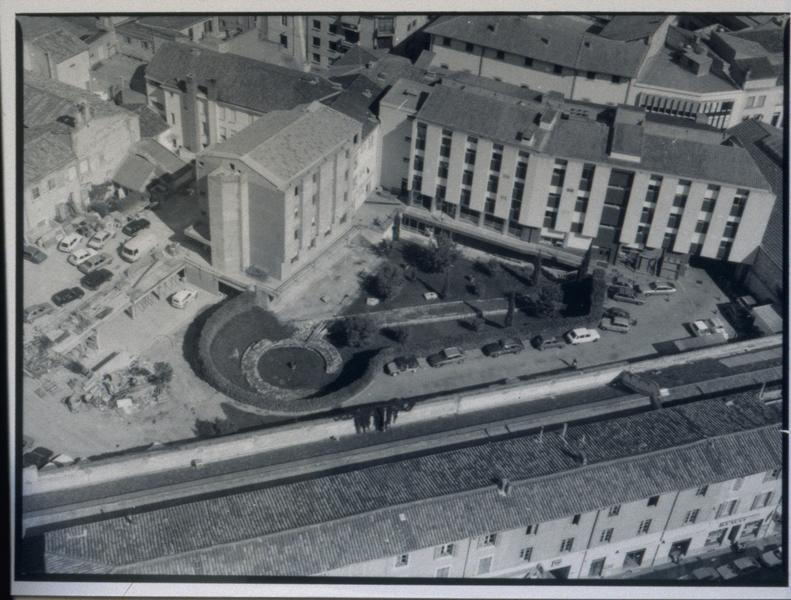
141, 244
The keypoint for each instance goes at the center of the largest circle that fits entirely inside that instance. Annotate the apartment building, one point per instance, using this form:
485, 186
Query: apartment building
99, 133
601, 499
206, 96
281, 191
575, 55
517, 173
316, 41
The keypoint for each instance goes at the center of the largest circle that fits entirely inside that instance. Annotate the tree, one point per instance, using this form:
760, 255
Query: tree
440, 256
357, 331
386, 282
549, 301
509, 316
586, 261
537, 269
598, 292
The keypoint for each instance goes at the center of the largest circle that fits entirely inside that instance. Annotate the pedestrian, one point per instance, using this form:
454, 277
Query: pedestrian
574, 364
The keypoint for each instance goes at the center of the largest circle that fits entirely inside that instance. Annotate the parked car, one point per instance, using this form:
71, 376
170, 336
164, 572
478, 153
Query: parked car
37, 311
33, 254
446, 356
616, 311
623, 294
739, 568
100, 238
182, 298
95, 262
69, 242
541, 342
660, 287
717, 326
68, 295
38, 457
80, 255
619, 324
133, 227
699, 328
504, 346
402, 364
95, 279
771, 558
84, 228
746, 303
706, 574
582, 335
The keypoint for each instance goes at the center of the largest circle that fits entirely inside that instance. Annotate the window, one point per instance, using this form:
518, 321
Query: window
715, 537
751, 529
484, 565
440, 192
691, 516
488, 205
446, 42
586, 180
616, 79
646, 215
316, 41
633, 559
701, 491
442, 572
284, 40
497, 158
606, 535
296, 190
730, 230
590, 75
316, 58
314, 199
444, 550
597, 566
491, 185
695, 249
526, 553
490, 539
284, 20
771, 475
343, 217
531, 530
472, 140
575, 227
644, 526
673, 221
528, 61
466, 178
581, 205
653, 501
500, 55
653, 188
442, 170
762, 500
726, 509
701, 227
567, 544
469, 156
346, 175
316, 24
402, 560
36, 193
739, 201
724, 249
557, 69
444, 147
559, 173
614, 511
172, 118
469, 47
575, 520
464, 198
550, 218
521, 170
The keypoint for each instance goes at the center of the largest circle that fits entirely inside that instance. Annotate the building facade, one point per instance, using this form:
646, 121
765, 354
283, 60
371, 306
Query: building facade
142, 37
51, 50
517, 174
281, 191
206, 97
316, 41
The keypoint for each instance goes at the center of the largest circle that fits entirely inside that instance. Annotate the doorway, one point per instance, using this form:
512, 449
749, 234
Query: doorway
734, 532
679, 549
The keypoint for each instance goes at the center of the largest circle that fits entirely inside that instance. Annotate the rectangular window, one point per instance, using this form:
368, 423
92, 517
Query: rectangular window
586, 180
469, 156
442, 572
653, 501
172, 118
581, 205
444, 550
701, 227
708, 205
500, 55
633, 559
762, 500
553, 201
772, 475
466, 178
484, 565
469, 47
490, 539
597, 566
616, 79
559, 173
614, 511
488, 205
444, 147
418, 164
446, 42
557, 69
730, 230
751, 529
497, 158
531, 530
739, 202
646, 215
402, 560
316, 41
316, 57
724, 249
567, 544
442, 170
606, 535
440, 192
691, 516
526, 554
528, 61
284, 40
296, 234
35, 192
673, 221
726, 509
284, 20
492, 184
644, 526
464, 198
715, 537
550, 218
654, 183
521, 170
316, 24
575, 520
576, 228
590, 75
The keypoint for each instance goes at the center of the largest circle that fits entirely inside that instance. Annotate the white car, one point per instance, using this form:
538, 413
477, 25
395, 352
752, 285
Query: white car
80, 256
582, 335
660, 287
700, 328
182, 298
100, 238
68, 243
717, 326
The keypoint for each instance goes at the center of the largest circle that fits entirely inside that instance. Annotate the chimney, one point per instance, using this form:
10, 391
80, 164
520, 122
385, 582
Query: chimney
503, 486
52, 70
106, 23
211, 89
83, 117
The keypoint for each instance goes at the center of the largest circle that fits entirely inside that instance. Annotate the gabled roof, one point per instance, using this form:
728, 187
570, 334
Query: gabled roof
554, 39
177, 23
134, 173
757, 42
240, 81
626, 28
151, 123
359, 100
147, 32
324, 522
60, 44
46, 149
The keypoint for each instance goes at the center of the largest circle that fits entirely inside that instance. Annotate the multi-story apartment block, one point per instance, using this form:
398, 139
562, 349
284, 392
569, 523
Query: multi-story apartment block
601, 499
207, 96
99, 133
50, 49
280, 191
315, 41
514, 172
715, 76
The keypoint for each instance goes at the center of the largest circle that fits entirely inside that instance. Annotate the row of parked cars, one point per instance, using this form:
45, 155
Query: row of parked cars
454, 354
740, 567
636, 294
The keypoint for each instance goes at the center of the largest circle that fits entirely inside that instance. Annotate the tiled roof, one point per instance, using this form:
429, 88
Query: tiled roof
47, 100
60, 44
554, 39
138, 30
755, 42
282, 145
632, 27
406, 94
176, 23
662, 71
357, 56
390, 68
314, 525
46, 150
359, 100
134, 173
162, 158
480, 115
240, 81
151, 123
761, 141
587, 140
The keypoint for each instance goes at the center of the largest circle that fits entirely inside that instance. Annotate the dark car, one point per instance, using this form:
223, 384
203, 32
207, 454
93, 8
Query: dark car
85, 229
615, 311
545, 343
402, 364
95, 279
37, 310
37, 457
446, 356
506, 346
133, 227
67, 295
33, 254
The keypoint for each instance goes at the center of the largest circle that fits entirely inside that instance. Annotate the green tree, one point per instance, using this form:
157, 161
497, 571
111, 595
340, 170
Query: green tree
441, 255
357, 331
586, 261
549, 301
509, 316
537, 269
386, 282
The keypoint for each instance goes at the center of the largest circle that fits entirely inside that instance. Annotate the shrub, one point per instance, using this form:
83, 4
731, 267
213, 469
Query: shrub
386, 282
549, 301
356, 331
439, 257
